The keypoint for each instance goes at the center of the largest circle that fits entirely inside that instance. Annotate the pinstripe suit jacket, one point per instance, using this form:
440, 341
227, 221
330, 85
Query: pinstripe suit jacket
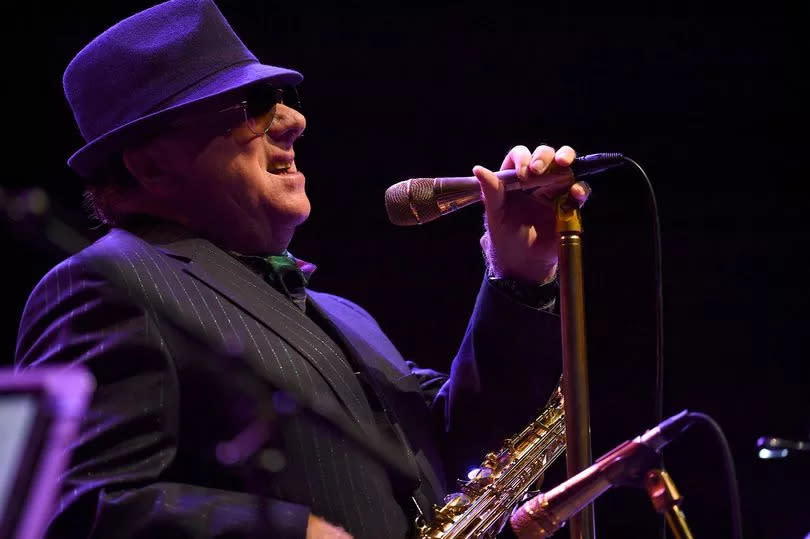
191, 349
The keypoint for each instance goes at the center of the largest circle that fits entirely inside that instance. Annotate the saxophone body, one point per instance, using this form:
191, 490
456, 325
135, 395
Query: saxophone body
484, 503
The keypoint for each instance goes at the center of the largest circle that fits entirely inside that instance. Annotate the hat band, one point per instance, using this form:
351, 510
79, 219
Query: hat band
169, 100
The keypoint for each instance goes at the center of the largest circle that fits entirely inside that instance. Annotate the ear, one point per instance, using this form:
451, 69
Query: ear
146, 165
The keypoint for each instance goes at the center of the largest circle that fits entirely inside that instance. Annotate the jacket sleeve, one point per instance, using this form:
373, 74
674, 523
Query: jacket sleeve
507, 366
120, 483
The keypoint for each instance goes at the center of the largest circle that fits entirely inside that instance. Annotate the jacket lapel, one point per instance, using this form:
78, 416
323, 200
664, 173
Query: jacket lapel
355, 334
248, 291
203, 261
393, 382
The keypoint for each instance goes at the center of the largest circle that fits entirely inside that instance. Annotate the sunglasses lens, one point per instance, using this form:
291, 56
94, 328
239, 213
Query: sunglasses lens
291, 98
261, 102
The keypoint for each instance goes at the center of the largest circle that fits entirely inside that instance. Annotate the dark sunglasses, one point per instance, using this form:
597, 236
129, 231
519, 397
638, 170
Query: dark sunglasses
260, 99
256, 110
259, 106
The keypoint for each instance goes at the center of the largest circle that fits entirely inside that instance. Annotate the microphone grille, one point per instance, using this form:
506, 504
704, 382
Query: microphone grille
411, 202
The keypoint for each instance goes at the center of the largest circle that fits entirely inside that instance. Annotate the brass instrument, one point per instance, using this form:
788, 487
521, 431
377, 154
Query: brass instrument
485, 502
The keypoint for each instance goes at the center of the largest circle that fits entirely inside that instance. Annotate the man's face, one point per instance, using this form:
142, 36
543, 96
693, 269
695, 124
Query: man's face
240, 188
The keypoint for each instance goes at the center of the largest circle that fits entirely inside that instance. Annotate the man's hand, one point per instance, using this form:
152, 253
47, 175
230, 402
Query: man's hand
318, 528
520, 241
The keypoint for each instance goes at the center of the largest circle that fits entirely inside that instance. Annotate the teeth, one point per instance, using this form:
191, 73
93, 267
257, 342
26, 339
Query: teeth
282, 168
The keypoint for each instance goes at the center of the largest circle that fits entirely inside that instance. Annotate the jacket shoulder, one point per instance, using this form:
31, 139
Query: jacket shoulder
98, 279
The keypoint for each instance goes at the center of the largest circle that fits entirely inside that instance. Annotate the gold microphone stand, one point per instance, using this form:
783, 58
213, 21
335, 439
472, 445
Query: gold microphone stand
575, 367
667, 500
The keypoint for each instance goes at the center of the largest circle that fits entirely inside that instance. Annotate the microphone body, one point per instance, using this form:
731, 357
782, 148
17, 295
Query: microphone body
625, 464
420, 200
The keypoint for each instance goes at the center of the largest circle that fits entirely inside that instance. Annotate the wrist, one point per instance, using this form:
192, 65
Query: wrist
538, 268
538, 276
537, 295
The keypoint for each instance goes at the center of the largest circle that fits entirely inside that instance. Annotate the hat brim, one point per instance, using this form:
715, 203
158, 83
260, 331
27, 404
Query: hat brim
206, 93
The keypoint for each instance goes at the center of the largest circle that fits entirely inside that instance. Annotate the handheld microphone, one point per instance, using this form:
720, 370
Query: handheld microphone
420, 200
625, 464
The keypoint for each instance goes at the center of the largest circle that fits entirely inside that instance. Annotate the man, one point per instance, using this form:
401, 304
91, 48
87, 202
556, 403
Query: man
231, 400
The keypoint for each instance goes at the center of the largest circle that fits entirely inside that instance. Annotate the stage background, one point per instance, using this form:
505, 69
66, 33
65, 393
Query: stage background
709, 104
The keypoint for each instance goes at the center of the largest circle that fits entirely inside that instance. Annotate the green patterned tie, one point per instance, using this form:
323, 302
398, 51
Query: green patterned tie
283, 272
285, 275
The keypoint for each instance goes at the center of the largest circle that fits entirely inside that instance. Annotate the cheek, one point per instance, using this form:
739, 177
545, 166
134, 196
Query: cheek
239, 176
231, 176
254, 189
287, 197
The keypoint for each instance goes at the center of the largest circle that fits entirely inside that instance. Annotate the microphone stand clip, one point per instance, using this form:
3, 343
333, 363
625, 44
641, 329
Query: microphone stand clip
667, 500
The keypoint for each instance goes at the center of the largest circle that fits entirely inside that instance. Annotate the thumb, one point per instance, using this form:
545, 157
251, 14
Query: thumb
493, 191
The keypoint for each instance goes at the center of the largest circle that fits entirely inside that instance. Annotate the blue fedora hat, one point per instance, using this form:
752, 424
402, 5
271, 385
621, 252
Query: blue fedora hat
151, 67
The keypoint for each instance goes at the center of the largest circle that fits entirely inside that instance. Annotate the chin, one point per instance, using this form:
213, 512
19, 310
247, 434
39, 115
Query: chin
301, 211
293, 214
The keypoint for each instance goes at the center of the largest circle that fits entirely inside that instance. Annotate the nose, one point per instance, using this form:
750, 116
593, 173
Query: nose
287, 125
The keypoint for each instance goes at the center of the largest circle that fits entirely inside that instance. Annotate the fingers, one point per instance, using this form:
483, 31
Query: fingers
579, 193
528, 164
565, 156
493, 190
518, 158
544, 155
541, 158
536, 162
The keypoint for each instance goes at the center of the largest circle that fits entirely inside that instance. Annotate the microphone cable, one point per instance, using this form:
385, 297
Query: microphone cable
731, 474
728, 459
658, 398
658, 405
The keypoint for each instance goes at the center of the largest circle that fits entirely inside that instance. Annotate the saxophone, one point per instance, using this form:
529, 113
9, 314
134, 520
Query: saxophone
485, 502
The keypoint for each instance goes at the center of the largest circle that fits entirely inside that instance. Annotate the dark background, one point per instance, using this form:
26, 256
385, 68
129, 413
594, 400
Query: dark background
708, 104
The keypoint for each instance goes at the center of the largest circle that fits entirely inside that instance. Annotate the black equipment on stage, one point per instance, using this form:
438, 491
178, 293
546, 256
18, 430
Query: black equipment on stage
40, 413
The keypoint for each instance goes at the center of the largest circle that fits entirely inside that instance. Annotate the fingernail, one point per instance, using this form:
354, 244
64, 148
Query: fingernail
586, 187
538, 166
582, 191
478, 169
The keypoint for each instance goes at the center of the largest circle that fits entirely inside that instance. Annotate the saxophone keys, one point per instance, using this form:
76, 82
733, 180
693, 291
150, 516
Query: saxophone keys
479, 474
456, 500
